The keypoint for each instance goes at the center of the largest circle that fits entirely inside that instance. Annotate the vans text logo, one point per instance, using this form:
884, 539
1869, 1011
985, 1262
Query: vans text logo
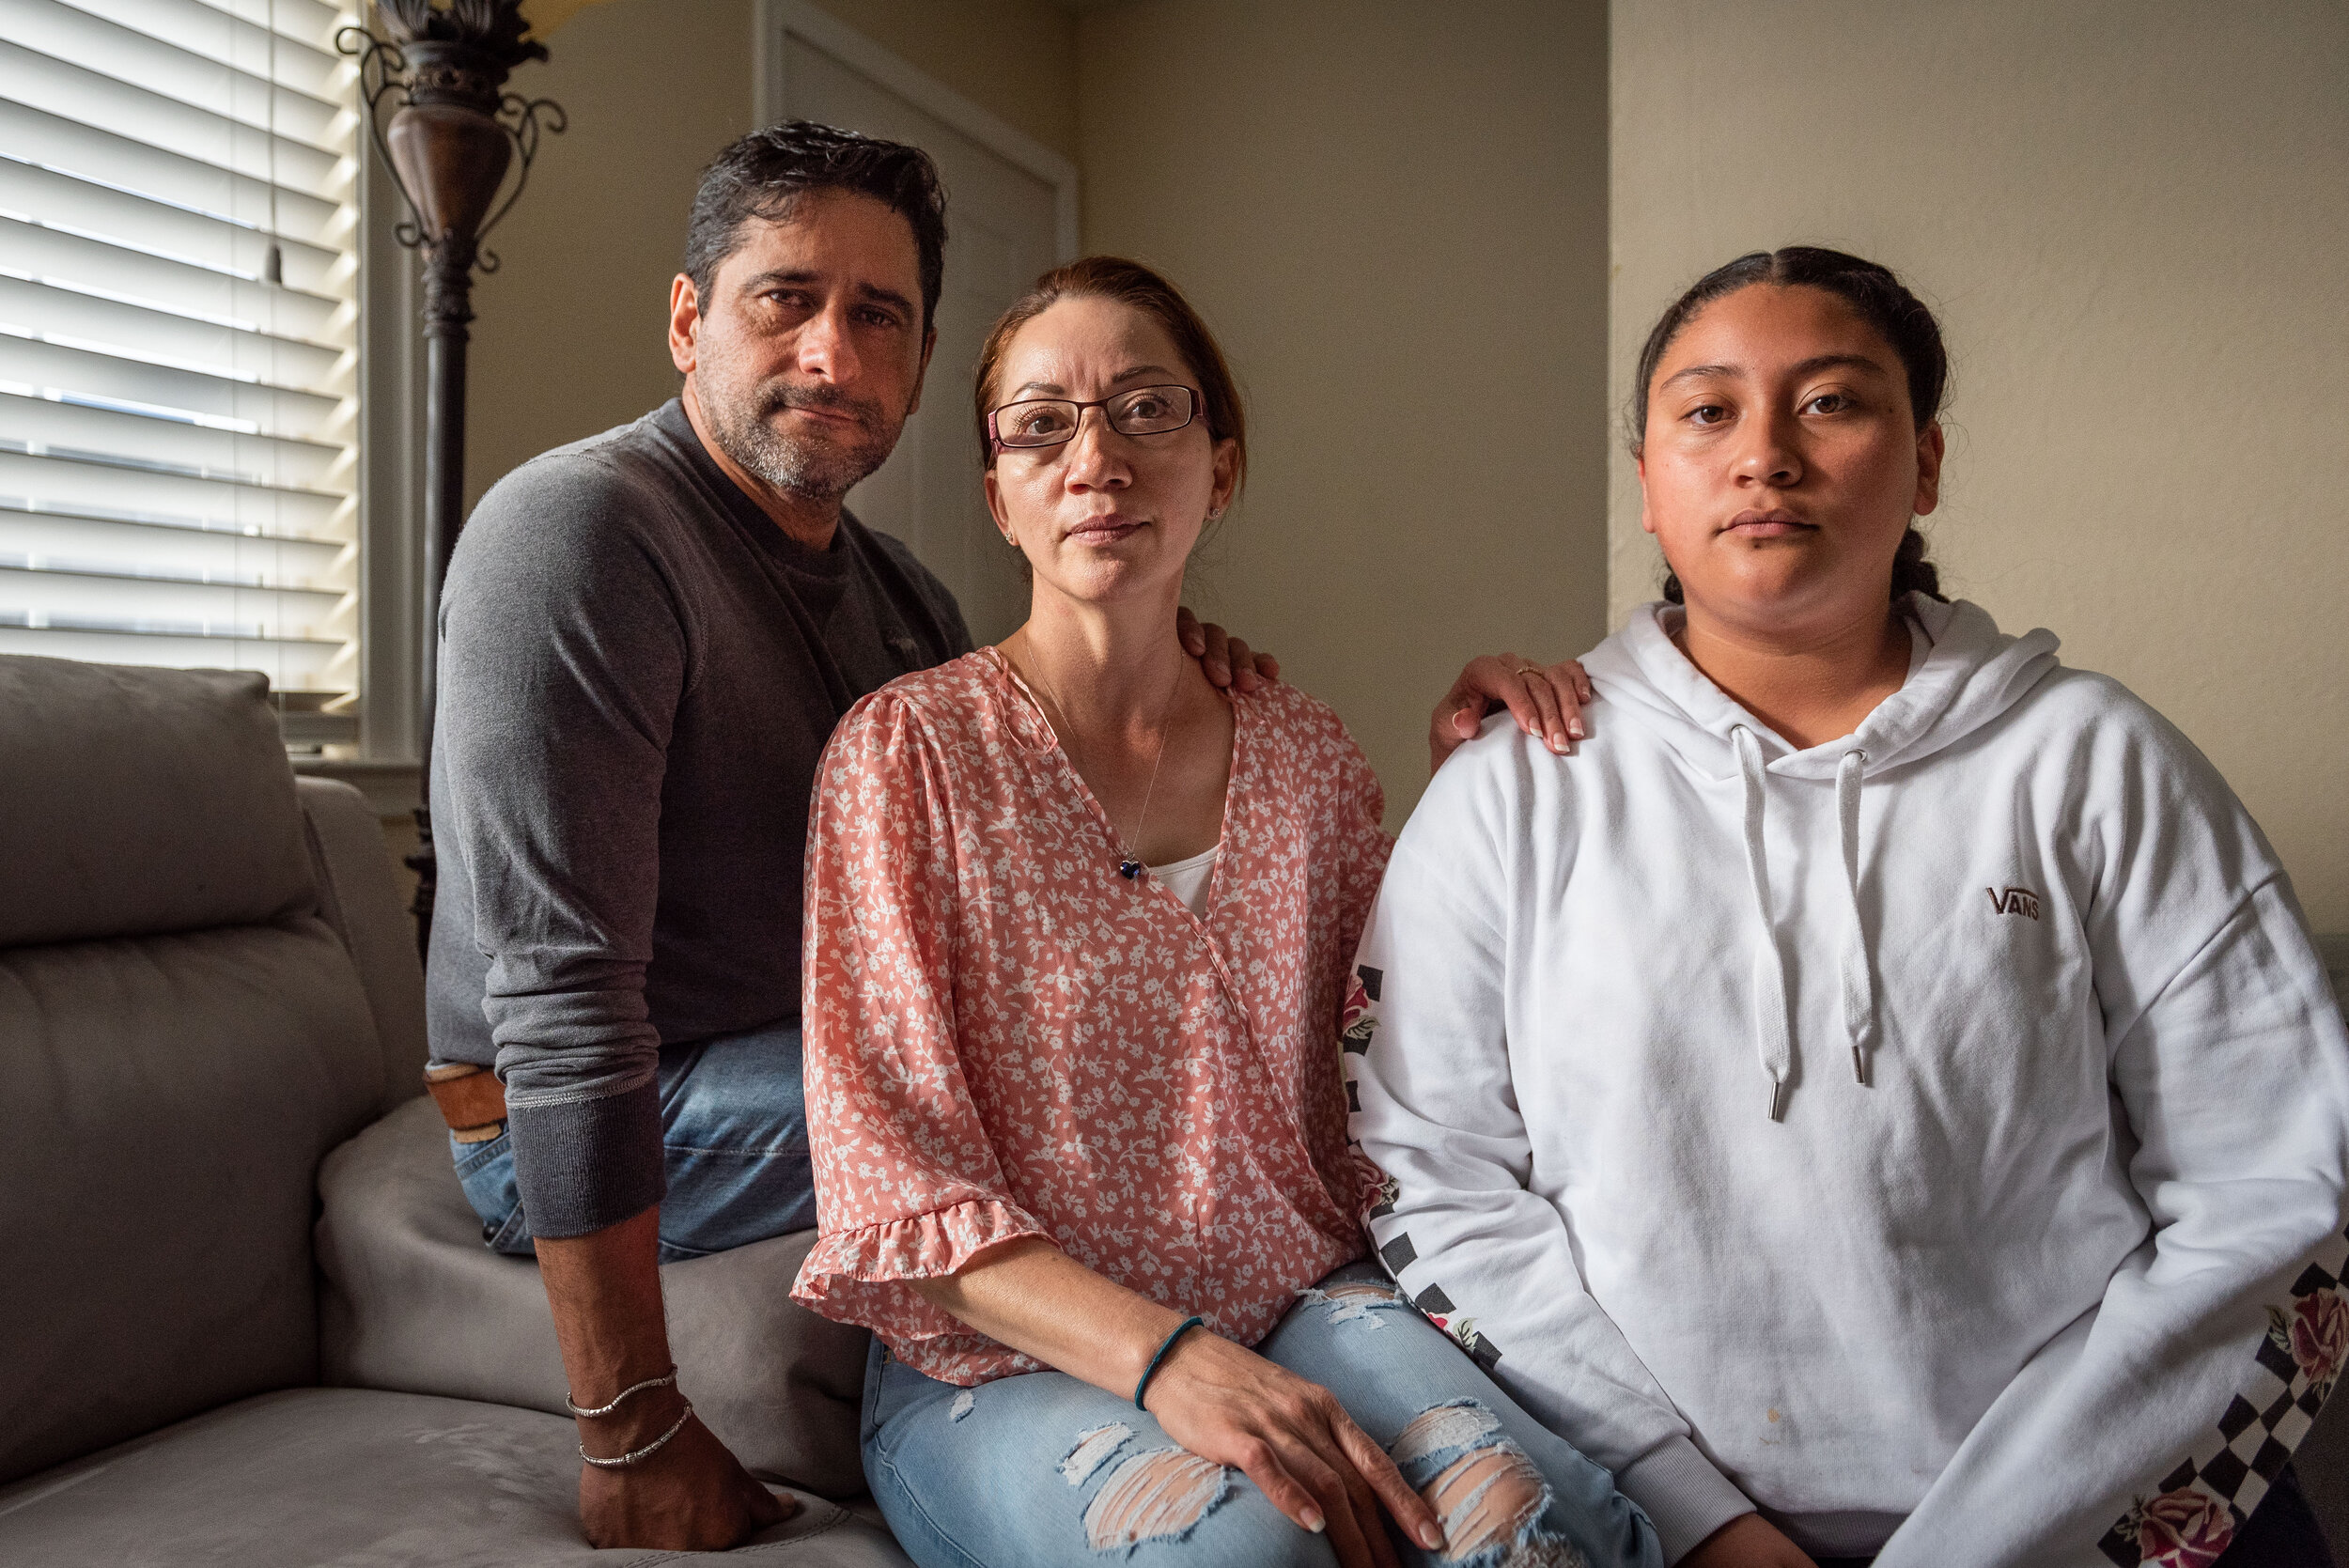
2014, 901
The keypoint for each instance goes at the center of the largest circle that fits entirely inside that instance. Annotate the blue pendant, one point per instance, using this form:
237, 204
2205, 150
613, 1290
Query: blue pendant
1129, 869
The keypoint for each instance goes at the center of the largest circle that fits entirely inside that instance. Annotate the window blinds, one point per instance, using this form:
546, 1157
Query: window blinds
178, 365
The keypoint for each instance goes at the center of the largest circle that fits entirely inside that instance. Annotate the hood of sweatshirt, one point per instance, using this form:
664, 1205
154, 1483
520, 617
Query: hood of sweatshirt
1967, 674
1964, 674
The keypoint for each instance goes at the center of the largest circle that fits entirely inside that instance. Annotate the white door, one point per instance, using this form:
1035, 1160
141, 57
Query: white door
1006, 222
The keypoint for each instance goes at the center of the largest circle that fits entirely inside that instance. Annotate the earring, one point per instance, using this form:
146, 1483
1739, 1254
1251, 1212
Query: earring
1009, 540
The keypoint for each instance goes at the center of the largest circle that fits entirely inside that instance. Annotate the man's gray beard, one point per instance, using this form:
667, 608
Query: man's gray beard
812, 470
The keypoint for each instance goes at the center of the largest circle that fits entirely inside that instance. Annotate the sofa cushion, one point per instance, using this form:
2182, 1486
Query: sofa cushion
135, 802
414, 1301
363, 1480
168, 1101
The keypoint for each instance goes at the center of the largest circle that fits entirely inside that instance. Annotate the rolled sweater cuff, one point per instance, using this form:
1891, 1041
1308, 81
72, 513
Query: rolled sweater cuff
583, 1164
1685, 1497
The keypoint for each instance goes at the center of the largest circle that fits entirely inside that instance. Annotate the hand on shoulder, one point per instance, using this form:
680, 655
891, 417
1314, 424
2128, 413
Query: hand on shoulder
1228, 662
1546, 700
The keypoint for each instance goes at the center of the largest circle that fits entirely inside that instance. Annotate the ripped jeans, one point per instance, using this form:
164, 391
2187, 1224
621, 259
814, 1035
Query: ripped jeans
1042, 1469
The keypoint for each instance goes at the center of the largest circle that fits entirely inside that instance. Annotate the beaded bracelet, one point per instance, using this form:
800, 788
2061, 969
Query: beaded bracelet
1156, 1362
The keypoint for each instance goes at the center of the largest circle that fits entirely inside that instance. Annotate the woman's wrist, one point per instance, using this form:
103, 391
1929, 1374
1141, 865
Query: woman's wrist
1159, 1355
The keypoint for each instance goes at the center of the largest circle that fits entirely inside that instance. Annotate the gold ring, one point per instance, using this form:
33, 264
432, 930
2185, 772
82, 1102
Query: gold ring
1527, 670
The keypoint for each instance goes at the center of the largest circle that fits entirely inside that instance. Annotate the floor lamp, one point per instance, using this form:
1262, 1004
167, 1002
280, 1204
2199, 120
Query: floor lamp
453, 133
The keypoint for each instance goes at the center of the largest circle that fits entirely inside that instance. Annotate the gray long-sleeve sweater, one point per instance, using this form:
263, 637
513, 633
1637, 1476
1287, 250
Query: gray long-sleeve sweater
638, 671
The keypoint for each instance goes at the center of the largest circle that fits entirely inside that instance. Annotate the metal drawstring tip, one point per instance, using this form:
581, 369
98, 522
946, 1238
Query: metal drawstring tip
1859, 1066
1778, 1099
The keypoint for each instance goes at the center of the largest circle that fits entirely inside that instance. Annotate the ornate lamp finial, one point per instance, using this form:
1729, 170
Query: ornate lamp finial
456, 130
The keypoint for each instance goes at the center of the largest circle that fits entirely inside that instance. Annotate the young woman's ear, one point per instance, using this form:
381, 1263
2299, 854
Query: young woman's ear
1931, 446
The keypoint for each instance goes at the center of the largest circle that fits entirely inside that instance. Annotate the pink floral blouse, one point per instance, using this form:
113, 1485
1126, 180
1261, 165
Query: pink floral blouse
1004, 1038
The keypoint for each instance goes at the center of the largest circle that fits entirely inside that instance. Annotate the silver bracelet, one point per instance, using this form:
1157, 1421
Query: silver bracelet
635, 1455
621, 1398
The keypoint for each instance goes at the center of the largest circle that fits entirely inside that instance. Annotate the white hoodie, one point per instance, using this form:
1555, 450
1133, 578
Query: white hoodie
2035, 1263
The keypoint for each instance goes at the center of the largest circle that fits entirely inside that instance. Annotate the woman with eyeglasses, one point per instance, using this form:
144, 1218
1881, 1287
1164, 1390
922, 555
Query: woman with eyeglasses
1078, 928
1881, 1097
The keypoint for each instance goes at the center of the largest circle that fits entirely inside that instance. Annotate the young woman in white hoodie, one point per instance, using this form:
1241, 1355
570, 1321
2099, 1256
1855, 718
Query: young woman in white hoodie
1879, 1098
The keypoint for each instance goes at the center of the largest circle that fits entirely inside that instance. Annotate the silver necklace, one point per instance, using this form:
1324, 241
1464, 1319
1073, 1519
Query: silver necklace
1128, 866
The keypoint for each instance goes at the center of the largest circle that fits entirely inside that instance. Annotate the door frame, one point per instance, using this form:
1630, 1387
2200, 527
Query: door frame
774, 19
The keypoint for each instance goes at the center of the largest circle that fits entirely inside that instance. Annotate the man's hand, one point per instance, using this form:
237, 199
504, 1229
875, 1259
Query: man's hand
691, 1496
1226, 659
1748, 1540
1546, 701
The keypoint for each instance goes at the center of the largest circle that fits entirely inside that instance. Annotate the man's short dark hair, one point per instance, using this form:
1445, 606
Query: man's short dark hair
764, 173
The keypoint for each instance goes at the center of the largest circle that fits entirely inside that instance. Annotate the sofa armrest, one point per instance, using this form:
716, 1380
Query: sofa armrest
360, 897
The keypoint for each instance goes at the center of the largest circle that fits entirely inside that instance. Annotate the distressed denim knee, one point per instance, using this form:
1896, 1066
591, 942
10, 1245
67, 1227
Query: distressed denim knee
1361, 1302
1486, 1493
1157, 1494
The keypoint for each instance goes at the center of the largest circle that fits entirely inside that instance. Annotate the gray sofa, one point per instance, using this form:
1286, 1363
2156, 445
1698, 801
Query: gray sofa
249, 1320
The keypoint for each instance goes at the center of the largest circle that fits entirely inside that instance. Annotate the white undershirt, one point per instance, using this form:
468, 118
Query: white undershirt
1187, 879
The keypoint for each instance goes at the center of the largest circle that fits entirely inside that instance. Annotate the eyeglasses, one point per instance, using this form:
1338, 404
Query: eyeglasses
1146, 410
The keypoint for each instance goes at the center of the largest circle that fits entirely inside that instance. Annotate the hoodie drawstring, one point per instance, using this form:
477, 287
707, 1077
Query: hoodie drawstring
1773, 1037
1860, 991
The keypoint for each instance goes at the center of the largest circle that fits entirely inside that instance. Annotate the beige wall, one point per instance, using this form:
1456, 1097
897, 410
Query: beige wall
1016, 58
2131, 217
570, 335
2134, 218
1393, 216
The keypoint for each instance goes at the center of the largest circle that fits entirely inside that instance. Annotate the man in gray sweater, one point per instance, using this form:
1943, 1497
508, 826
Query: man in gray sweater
646, 638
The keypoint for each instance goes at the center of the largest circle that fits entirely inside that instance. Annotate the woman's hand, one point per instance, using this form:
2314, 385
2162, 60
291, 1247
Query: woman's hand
1293, 1440
1226, 1404
1226, 661
1546, 701
1748, 1540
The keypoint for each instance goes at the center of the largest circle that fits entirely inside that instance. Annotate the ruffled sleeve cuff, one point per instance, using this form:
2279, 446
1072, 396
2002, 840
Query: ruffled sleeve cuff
856, 1276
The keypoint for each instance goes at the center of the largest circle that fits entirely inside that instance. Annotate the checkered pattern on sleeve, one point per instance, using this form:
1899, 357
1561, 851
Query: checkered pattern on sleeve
2292, 1374
1356, 1025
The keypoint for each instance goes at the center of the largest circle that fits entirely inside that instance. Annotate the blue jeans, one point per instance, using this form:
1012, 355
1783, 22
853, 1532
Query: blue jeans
1041, 1471
734, 1141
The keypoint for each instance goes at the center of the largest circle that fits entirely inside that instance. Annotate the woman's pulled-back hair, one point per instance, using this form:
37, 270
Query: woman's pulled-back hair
1113, 278
1877, 298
